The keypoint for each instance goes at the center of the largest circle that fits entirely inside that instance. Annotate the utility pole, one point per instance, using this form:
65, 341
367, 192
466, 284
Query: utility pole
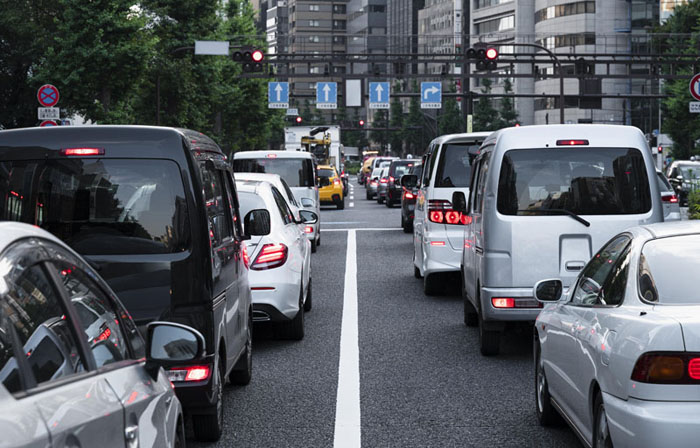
466, 88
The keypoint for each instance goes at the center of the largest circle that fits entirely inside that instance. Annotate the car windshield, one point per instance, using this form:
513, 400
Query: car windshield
580, 180
99, 206
398, 169
667, 269
250, 201
296, 172
690, 171
454, 168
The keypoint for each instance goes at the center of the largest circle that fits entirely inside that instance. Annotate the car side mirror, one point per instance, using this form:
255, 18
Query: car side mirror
325, 182
257, 222
308, 217
409, 181
547, 290
459, 202
169, 344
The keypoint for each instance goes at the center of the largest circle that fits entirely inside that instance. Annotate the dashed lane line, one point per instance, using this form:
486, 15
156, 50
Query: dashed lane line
348, 428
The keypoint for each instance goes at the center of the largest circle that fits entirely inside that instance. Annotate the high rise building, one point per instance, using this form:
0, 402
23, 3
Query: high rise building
367, 31
402, 28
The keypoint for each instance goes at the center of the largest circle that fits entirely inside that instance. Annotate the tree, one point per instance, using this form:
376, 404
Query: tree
485, 116
414, 126
508, 114
450, 120
678, 122
381, 120
396, 120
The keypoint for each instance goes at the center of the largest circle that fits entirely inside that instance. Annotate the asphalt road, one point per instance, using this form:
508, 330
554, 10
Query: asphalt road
422, 380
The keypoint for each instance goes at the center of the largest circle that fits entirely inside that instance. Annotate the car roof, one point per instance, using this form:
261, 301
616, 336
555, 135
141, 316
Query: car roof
667, 229
463, 137
325, 167
135, 139
278, 155
259, 177
11, 231
544, 136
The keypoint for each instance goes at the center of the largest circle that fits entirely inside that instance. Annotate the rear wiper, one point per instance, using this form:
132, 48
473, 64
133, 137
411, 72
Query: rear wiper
557, 211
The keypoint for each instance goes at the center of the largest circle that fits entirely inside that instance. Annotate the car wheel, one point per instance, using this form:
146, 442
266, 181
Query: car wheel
208, 428
470, 315
242, 372
389, 203
180, 440
431, 284
489, 340
295, 328
313, 246
340, 204
307, 304
318, 240
601, 431
368, 196
546, 414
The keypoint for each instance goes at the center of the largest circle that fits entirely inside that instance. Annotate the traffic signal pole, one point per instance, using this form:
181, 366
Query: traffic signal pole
557, 62
466, 81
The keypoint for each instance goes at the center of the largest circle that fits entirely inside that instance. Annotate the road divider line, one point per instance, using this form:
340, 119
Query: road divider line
352, 204
347, 408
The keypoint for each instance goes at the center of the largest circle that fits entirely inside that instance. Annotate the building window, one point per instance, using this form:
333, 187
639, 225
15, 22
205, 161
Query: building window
486, 3
377, 8
553, 103
339, 9
314, 39
314, 23
339, 24
495, 25
314, 7
569, 9
567, 40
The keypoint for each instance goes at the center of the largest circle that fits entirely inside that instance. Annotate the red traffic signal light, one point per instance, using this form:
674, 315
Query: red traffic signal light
298, 119
660, 149
362, 122
491, 54
257, 55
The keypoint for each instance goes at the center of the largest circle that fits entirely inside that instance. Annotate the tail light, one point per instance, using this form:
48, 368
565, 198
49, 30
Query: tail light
667, 368
383, 180
391, 179
572, 142
374, 182
440, 211
515, 302
670, 198
82, 152
308, 229
246, 257
190, 373
408, 195
503, 302
336, 181
271, 256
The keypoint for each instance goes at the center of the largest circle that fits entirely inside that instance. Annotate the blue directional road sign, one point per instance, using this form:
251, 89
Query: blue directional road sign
326, 95
430, 95
379, 95
278, 95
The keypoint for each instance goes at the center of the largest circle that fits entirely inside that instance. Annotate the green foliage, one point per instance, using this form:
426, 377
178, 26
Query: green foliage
485, 115
450, 120
396, 120
678, 122
352, 167
507, 112
414, 133
381, 120
694, 204
107, 57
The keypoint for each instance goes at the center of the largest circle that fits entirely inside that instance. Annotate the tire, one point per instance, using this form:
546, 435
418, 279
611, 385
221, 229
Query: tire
242, 372
416, 272
308, 304
489, 340
340, 204
546, 414
368, 196
208, 428
379, 199
601, 429
313, 246
389, 203
318, 240
471, 318
431, 285
294, 329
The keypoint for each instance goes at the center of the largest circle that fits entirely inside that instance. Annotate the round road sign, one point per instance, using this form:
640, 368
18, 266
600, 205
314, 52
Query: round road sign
695, 86
48, 123
47, 95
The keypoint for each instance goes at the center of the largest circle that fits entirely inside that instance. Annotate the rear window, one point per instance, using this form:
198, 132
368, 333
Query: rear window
296, 172
663, 183
398, 169
454, 167
582, 180
667, 270
325, 173
250, 201
99, 206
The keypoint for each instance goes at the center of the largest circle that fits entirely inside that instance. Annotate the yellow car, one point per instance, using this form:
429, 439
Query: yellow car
330, 189
365, 170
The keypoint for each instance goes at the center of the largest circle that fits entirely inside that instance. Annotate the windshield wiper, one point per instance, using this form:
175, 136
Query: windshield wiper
557, 211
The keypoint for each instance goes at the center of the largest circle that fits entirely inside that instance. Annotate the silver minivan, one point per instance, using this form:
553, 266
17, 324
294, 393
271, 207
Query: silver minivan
542, 200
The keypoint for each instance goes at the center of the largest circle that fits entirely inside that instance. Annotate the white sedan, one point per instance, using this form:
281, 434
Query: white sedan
618, 355
280, 256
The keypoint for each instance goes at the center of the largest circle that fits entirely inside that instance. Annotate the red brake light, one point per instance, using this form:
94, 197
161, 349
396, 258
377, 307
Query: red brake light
246, 257
440, 211
572, 142
694, 368
437, 243
104, 335
383, 180
308, 229
271, 256
436, 216
409, 195
453, 217
336, 181
82, 151
503, 302
672, 198
197, 373
272, 156
391, 178
667, 368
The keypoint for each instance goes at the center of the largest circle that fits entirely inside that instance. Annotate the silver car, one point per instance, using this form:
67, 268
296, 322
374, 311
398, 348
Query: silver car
373, 184
542, 200
74, 370
669, 199
618, 355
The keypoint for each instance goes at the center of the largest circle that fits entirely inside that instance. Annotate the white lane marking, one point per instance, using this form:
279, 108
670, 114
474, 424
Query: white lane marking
368, 229
352, 197
347, 409
352, 204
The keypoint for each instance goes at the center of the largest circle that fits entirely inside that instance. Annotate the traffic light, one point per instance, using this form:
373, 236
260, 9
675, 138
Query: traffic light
298, 119
486, 57
251, 58
361, 123
660, 149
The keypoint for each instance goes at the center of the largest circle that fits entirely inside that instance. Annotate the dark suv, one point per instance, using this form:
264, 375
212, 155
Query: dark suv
397, 169
408, 199
155, 212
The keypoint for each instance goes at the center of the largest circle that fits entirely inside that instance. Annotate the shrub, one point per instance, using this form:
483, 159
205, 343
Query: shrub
694, 204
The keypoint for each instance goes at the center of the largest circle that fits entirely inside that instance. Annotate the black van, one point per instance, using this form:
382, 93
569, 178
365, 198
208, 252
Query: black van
155, 211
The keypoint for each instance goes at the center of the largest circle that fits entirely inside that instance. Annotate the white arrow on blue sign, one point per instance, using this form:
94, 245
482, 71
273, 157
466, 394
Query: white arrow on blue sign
278, 95
379, 93
326, 95
430, 95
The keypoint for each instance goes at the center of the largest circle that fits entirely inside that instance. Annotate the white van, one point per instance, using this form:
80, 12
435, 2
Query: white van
438, 231
543, 199
297, 168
